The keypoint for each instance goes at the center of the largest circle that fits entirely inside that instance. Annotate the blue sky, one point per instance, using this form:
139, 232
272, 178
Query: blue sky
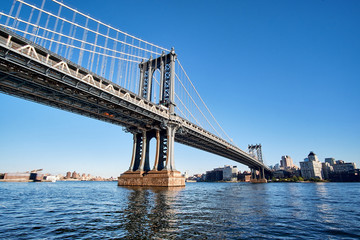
285, 74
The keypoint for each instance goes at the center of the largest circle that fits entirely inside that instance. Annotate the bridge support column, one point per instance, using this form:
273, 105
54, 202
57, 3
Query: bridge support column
157, 155
133, 153
163, 173
170, 163
143, 152
258, 178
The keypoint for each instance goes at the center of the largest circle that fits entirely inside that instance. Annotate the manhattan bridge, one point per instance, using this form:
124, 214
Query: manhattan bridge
55, 55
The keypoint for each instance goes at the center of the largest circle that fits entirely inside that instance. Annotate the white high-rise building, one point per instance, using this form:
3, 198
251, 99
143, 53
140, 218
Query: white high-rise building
286, 162
311, 167
230, 173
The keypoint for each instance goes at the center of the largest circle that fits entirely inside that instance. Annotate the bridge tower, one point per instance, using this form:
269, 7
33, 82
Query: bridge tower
257, 173
163, 172
166, 65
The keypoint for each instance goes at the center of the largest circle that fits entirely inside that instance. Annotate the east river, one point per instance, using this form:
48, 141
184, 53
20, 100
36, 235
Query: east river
102, 210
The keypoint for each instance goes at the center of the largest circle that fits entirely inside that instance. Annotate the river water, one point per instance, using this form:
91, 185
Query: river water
102, 210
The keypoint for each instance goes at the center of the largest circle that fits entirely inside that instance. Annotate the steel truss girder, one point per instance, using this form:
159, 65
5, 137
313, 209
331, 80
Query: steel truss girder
44, 96
138, 114
30, 79
58, 105
41, 96
199, 141
54, 73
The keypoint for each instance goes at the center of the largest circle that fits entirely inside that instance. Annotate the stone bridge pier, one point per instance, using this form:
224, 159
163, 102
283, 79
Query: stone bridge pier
163, 172
258, 175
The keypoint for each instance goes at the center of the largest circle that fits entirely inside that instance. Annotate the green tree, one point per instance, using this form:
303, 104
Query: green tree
294, 179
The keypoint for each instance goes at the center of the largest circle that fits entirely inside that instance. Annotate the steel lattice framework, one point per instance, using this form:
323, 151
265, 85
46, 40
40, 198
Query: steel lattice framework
74, 62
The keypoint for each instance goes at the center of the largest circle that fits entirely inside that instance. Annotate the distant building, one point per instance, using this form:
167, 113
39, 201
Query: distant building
312, 157
196, 177
59, 177
214, 175
288, 173
50, 178
36, 177
230, 173
277, 167
83, 177
326, 169
311, 167
351, 176
74, 175
68, 175
331, 161
280, 174
341, 166
286, 162
23, 177
17, 177
340, 162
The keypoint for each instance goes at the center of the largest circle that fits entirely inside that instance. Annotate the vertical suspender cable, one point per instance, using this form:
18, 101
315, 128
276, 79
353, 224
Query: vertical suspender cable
10, 13
104, 59
59, 40
81, 54
131, 69
71, 43
120, 66
70, 34
38, 21
56, 23
126, 74
43, 41
15, 24
203, 102
113, 59
94, 48
137, 69
27, 25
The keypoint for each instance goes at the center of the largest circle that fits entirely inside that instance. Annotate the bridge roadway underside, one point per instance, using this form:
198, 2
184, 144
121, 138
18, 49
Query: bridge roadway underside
78, 98
47, 91
196, 140
23, 77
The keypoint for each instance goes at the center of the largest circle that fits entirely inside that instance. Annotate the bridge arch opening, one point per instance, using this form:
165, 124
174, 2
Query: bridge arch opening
152, 153
151, 161
156, 82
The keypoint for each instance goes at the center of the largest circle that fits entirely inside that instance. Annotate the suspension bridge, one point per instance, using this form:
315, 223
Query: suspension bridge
55, 55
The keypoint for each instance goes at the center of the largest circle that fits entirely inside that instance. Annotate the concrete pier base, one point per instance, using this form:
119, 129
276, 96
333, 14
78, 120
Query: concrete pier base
163, 178
263, 180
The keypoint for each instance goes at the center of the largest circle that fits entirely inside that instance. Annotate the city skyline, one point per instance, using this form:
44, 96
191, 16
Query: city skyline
290, 82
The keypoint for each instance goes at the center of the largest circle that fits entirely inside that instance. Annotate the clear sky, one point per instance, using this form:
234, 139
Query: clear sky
285, 74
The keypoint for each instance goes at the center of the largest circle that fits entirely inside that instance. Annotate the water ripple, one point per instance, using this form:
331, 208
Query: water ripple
101, 210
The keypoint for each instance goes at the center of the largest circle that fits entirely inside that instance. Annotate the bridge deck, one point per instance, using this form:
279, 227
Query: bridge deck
32, 72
